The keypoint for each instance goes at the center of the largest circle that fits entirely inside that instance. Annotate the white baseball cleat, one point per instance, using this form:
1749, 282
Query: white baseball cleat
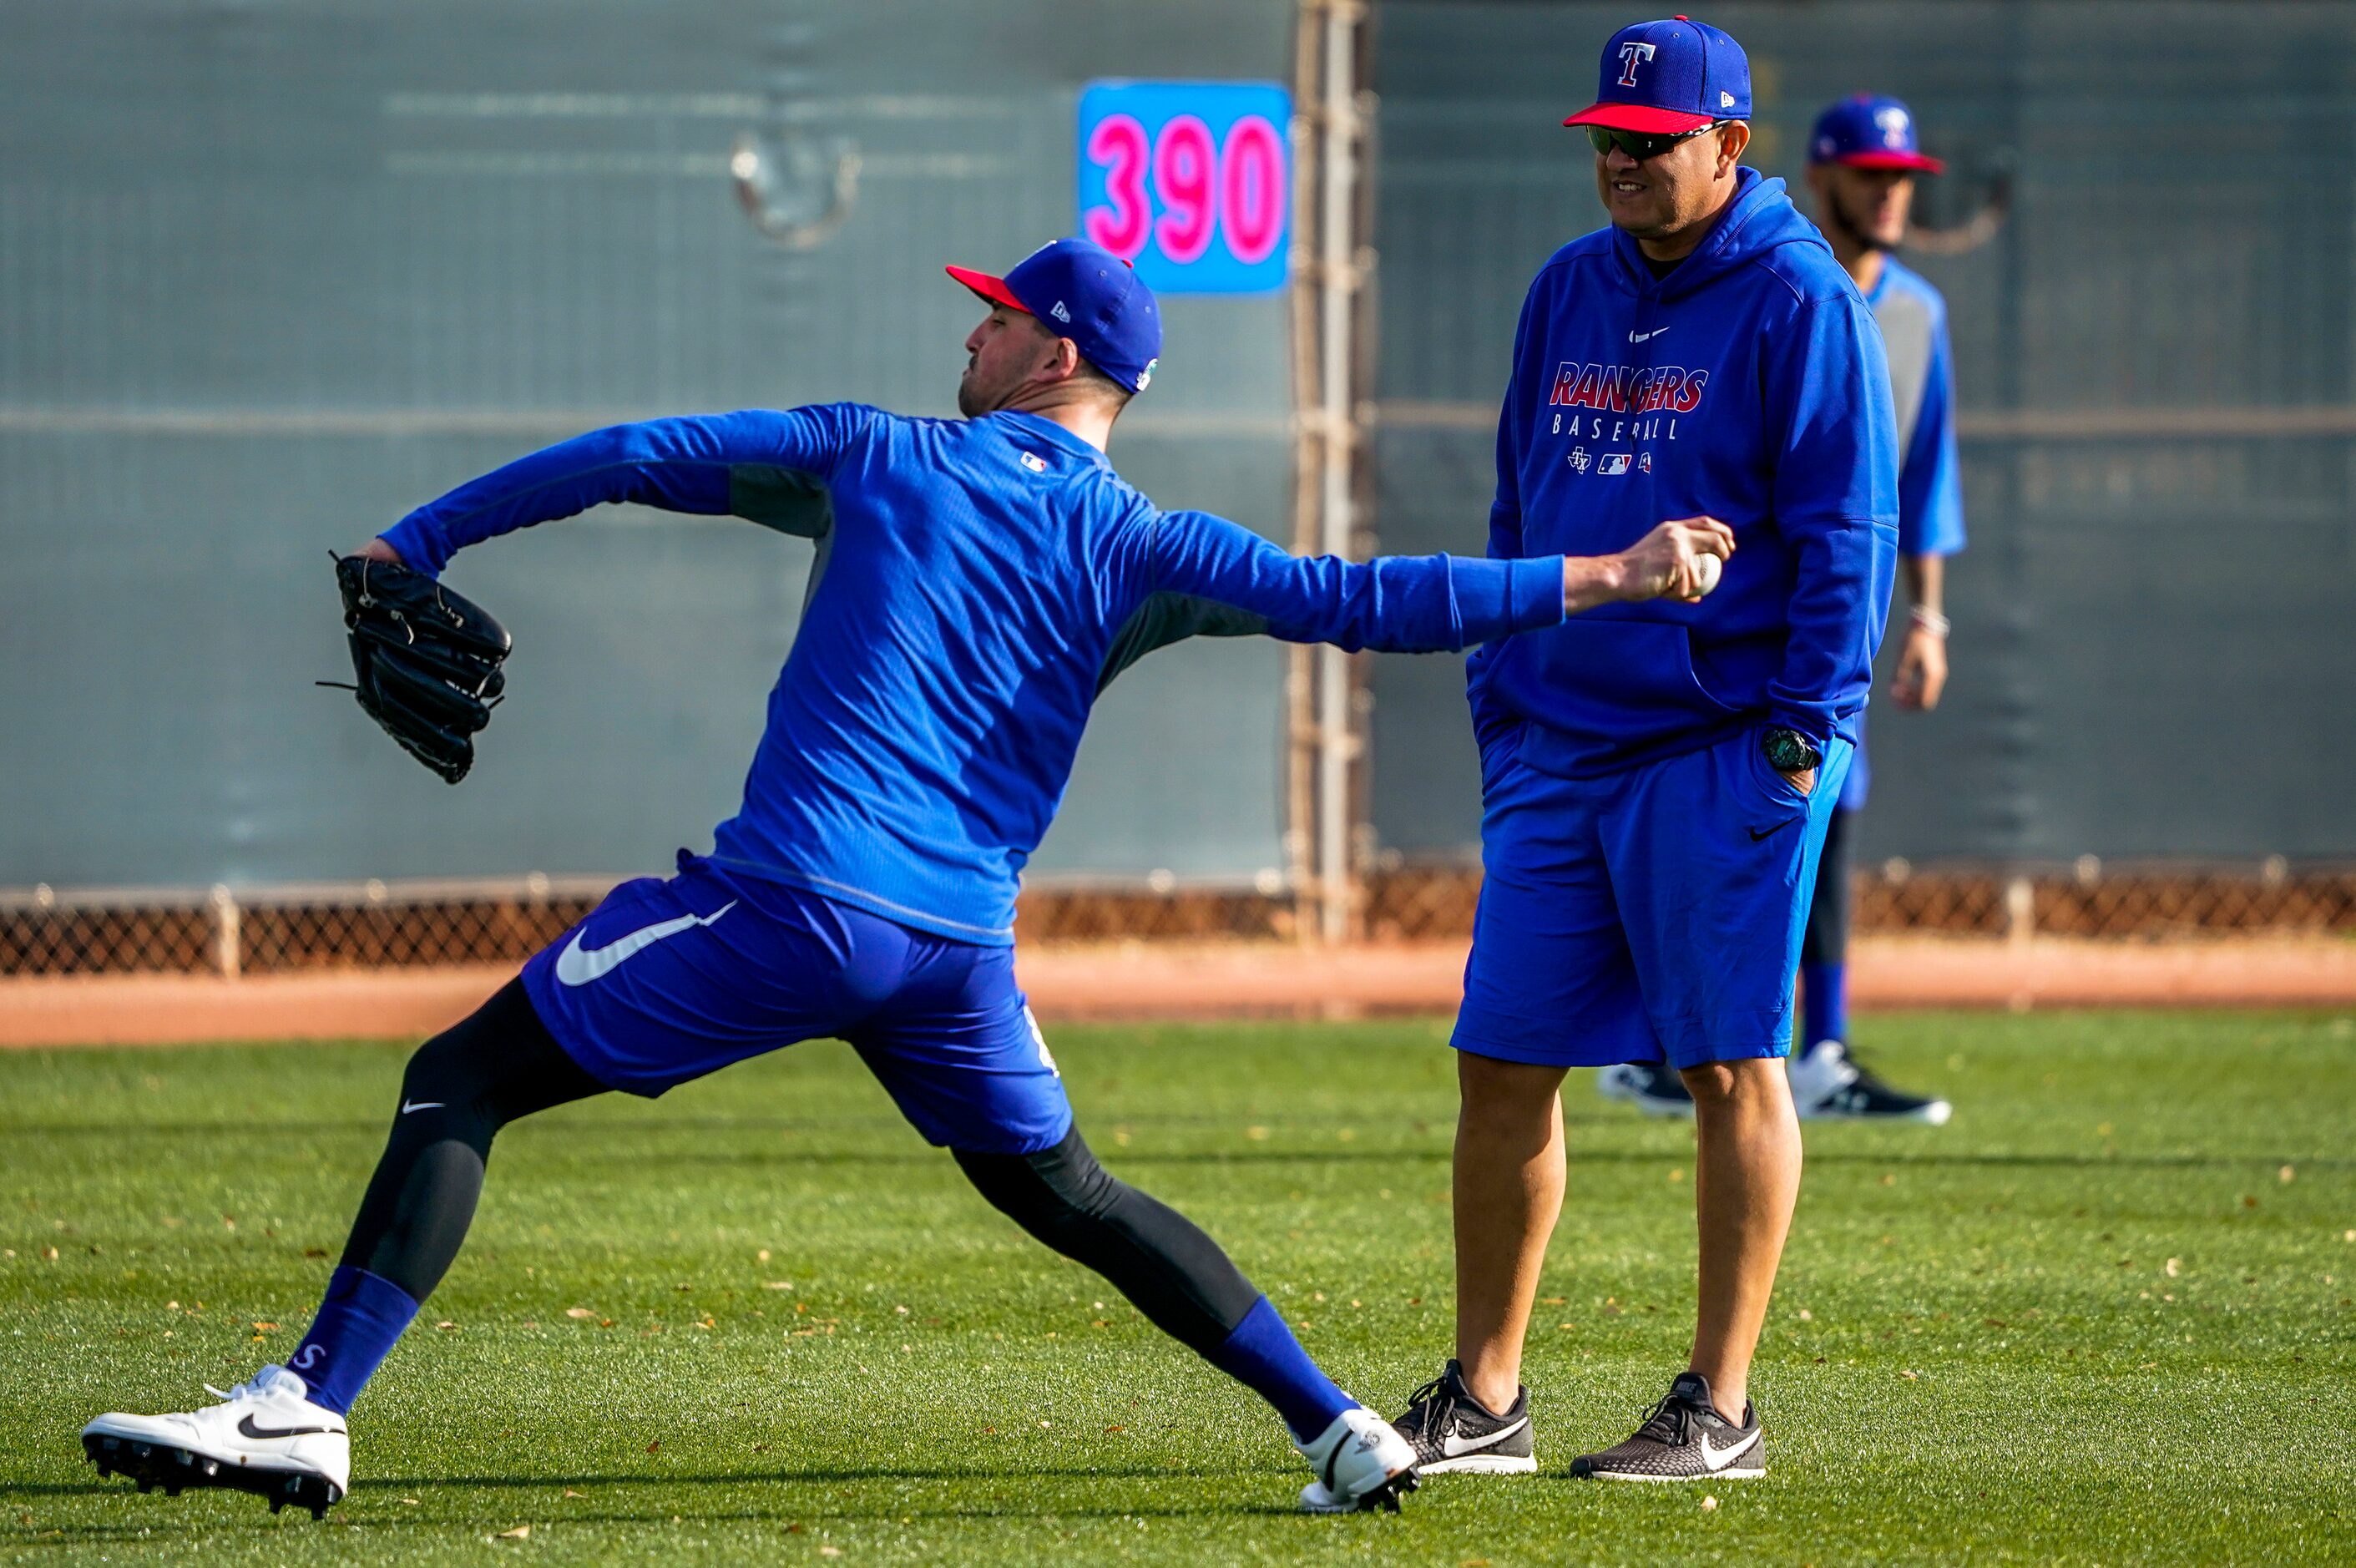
266, 1437
1362, 1463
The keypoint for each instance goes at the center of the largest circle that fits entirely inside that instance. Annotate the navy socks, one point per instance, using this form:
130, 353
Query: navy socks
1263, 1356
1824, 1003
351, 1336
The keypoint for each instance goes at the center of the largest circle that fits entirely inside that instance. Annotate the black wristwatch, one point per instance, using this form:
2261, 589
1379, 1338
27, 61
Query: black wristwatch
1789, 751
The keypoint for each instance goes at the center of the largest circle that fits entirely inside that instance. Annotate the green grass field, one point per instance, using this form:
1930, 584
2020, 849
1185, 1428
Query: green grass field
2103, 1316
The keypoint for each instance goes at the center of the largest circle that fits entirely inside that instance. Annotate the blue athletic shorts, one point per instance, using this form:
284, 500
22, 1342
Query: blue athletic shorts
670, 978
1654, 913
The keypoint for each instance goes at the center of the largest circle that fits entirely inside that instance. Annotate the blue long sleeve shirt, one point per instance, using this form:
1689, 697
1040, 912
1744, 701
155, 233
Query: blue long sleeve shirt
977, 582
1748, 385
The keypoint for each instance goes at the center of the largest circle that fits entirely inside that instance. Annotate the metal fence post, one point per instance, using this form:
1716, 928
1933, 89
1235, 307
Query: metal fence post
228, 956
2019, 911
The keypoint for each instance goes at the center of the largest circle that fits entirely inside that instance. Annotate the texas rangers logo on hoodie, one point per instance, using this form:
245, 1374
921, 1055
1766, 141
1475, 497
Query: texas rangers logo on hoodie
1627, 389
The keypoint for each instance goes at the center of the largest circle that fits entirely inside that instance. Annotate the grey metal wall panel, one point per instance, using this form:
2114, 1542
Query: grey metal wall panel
2155, 622
274, 273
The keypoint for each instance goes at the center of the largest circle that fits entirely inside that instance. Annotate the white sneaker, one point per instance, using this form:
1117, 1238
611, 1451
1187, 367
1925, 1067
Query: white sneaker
1361, 1461
265, 1437
1828, 1083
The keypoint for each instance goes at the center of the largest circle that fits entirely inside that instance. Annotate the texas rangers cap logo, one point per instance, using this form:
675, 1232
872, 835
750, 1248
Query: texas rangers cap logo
1634, 54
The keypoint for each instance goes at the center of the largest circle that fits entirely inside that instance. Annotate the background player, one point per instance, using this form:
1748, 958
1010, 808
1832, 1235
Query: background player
1862, 161
976, 580
1657, 782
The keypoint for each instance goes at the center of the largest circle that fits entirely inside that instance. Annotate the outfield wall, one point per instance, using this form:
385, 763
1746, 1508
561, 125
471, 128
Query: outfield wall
274, 273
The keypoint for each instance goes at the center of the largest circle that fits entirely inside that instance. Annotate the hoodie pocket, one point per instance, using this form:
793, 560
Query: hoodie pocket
1628, 684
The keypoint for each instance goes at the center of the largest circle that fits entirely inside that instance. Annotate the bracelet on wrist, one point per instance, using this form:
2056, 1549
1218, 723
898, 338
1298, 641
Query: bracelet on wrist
1931, 621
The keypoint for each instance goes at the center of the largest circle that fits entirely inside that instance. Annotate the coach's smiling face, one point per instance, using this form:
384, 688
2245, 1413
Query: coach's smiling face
1665, 203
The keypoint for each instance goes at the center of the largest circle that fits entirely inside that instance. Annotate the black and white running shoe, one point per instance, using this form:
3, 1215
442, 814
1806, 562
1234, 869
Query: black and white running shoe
1828, 1083
1684, 1439
1652, 1088
1453, 1432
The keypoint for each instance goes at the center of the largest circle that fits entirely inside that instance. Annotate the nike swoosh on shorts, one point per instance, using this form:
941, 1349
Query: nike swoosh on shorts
577, 966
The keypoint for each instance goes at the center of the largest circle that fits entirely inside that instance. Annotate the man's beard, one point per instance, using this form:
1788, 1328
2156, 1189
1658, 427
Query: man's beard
1851, 227
969, 402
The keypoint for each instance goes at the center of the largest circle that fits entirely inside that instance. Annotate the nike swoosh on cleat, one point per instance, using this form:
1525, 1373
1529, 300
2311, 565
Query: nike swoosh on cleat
245, 1425
1452, 1446
1717, 1459
577, 966
1758, 833
409, 1105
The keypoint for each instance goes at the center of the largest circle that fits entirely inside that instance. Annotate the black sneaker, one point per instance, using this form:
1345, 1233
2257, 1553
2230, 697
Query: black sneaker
1652, 1088
1828, 1083
1452, 1431
1684, 1439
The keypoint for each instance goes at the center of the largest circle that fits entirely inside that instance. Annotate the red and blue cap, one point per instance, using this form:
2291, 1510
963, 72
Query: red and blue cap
1080, 290
1870, 132
1668, 78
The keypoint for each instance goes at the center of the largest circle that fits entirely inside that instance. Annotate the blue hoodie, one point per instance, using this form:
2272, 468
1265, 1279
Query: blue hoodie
1748, 385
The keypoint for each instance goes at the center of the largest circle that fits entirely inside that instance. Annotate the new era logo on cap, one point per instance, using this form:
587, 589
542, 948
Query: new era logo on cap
1668, 77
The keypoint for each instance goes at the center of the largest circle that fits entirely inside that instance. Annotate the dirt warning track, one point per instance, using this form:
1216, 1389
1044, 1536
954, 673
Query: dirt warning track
1141, 981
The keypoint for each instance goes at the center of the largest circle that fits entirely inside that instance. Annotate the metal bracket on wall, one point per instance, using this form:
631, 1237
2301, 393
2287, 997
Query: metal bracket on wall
802, 196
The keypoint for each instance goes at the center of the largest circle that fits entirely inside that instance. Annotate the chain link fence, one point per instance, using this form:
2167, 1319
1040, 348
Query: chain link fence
375, 924
2085, 899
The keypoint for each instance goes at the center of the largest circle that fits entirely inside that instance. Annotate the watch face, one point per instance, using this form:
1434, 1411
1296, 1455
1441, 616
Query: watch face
1789, 751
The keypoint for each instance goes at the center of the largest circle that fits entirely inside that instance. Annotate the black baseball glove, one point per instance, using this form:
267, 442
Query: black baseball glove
427, 660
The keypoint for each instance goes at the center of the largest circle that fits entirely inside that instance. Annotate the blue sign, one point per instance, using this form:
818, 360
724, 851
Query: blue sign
1191, 182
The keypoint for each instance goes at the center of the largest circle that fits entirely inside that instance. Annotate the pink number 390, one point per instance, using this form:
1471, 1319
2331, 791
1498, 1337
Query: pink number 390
1202, 188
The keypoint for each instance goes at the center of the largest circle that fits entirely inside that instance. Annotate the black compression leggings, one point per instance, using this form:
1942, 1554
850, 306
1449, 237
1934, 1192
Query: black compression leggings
462, 1087
500, 1063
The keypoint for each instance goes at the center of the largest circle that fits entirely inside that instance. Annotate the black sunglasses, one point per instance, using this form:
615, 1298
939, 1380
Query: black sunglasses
1641, 145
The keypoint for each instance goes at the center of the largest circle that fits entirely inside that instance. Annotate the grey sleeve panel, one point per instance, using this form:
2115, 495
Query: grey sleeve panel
1164, 619
1906, 333
787, 499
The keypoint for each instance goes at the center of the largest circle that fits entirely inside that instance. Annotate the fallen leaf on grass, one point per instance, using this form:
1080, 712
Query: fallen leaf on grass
1909, 1374
520, 1532
830, 1552
1710, 1505
2175, 1267
409, 1502
655, 1445
1116, 1429
578, 1312
570, 1493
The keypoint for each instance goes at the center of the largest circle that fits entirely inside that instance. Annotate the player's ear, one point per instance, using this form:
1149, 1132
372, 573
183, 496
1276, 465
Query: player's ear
1064, 363
1733, 137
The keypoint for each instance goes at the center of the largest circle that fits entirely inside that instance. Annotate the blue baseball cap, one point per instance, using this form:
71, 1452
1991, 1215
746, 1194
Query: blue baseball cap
1084, 291
1870, 132
1664, 77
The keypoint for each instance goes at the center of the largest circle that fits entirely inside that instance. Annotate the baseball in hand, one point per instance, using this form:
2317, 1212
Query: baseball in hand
1706, 571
